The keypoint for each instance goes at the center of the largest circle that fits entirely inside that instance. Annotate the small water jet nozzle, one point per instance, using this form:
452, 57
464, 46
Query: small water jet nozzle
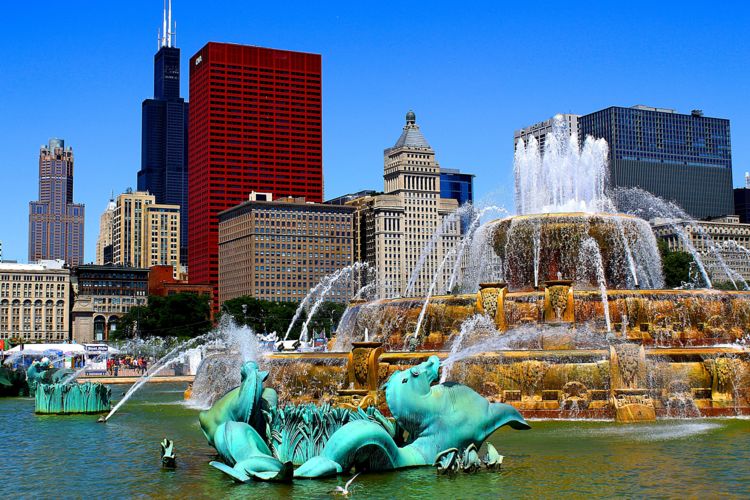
102, 420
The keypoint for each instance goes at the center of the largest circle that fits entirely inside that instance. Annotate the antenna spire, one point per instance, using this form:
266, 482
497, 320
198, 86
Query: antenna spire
169, 26
164, 26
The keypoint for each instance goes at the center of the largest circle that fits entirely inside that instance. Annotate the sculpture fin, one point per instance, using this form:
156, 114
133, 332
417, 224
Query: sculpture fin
319, 466
507, 415
238, 476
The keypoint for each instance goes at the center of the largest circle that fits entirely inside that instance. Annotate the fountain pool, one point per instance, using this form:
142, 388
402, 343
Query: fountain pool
660, 459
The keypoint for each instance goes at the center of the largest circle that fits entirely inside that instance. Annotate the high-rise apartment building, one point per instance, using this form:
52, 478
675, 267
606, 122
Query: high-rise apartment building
35, 301
104, 240
541, 129
682, 158
164, 171
278, 250
255, 125
394, 231
55, 222
145, 233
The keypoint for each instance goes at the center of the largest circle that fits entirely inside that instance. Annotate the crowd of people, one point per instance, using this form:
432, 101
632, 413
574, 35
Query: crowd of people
118, 364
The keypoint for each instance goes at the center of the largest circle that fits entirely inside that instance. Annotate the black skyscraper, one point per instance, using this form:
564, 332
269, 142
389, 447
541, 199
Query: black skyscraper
164, 138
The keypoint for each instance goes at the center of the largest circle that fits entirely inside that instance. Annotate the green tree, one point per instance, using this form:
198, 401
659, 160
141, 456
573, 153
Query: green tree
265, 316
180, 315
675, 265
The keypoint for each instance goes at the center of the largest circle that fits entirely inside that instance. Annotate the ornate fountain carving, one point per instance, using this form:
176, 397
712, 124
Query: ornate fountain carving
491, 301
558, 301
726, 376
363, 375
629, 394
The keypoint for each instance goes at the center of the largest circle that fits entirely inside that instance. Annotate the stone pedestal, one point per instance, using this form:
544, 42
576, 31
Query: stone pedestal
362, 376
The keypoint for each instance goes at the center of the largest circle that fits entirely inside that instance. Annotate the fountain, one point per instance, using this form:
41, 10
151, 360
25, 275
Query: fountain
568, 289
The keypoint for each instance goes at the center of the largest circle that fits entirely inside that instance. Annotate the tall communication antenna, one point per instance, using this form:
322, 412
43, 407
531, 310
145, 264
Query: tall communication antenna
165, 36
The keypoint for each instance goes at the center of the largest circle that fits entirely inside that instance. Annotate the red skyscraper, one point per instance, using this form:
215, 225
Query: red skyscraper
255, 125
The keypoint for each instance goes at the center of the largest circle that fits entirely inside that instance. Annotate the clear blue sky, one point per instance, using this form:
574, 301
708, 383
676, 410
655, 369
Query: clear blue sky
472, 72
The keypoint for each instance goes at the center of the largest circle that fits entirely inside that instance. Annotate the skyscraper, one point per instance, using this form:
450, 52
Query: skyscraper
255, 126
55, 222
104, 241
164, 133
682, 158
541, 129
145, 233
392, 230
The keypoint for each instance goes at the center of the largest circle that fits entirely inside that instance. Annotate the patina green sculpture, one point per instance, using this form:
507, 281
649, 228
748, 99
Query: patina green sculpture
257, 440
436, 418
168, 460
44, 372
72, 398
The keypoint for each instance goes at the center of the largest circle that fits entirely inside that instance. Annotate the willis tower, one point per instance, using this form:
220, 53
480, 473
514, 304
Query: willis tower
164, 170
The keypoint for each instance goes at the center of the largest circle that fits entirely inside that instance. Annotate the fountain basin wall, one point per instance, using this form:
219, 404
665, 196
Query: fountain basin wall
537, 248
73, 398
579, 383
653, 317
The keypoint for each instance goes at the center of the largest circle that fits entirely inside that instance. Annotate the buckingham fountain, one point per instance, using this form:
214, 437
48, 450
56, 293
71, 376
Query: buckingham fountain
574, 320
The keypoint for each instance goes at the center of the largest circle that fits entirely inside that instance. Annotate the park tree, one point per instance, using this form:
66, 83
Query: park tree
265, 316
184, 315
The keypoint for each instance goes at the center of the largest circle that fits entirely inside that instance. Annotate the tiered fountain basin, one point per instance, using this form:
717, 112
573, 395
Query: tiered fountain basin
603, 343
664, 318
541, 247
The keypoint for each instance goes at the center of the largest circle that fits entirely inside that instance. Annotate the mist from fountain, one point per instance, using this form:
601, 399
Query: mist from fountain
430, 291
478, 322
328, 283
562, 178
466, 242
635, 201
463, 211
591, 258
226, 336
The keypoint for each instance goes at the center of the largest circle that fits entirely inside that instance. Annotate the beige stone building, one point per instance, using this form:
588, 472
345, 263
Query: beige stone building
103, 295
106, 228
35, 301
730, 237
278, 250
407, 234
145, 233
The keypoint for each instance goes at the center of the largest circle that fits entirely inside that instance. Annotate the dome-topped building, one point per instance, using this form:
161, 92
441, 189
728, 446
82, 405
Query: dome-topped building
411, 136
399, 223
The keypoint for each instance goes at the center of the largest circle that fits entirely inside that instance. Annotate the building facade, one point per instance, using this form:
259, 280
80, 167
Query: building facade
742, 201
541, 129
682, 158
255, 125
106, 228
723, 236
35, 301
144, 232
164, 170
55, 222
457, 185
278, 250
395, 230
103, 295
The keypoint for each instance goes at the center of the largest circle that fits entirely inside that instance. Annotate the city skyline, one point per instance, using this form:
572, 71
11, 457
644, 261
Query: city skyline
467, 98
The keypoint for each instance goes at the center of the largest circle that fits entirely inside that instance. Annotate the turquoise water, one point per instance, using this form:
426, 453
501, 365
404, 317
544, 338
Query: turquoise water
73, 456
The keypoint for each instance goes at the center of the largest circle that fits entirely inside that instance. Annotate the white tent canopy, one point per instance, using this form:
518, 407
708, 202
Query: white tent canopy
32, 349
